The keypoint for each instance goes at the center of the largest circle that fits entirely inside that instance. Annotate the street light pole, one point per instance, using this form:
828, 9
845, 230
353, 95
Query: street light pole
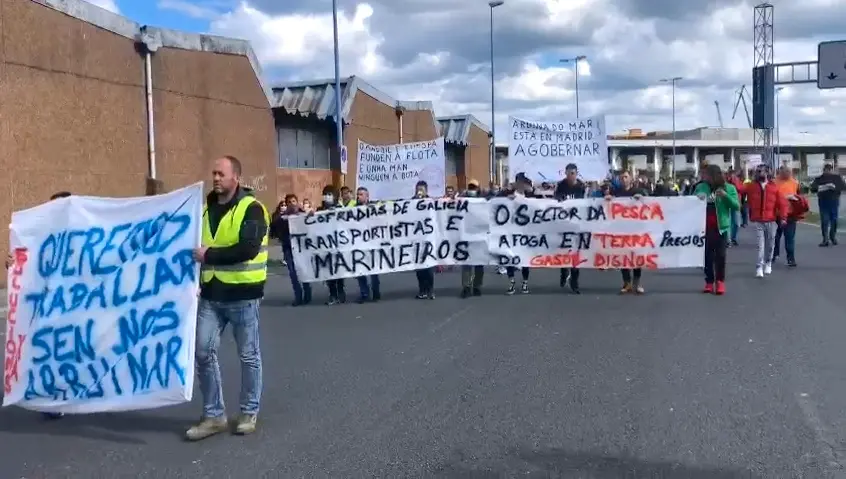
575, 61
673, 81
493, 4
338, 120
778, 126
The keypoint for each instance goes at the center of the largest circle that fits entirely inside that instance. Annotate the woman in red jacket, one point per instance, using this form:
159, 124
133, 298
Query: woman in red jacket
767, 209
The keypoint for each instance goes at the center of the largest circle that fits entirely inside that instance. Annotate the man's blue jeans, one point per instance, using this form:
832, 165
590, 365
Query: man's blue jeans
366, 289
735, 225
302, 291
829, 213
788, 231
212, 319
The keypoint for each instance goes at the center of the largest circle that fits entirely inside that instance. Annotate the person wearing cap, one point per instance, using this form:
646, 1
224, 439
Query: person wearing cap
472, 275
570, 188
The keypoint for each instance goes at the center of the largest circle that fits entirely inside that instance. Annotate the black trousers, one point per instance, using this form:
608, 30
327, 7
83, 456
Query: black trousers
524, 271
715, 256
425, 280
631, 275
573, 274
337, 288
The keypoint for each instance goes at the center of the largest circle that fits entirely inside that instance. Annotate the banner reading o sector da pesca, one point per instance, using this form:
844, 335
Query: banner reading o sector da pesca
649, 233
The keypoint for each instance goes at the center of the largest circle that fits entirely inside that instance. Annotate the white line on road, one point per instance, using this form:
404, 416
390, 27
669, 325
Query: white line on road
828, 445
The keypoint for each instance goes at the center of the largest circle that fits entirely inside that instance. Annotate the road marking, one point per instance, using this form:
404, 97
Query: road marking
817, 226
449, 319
828, 446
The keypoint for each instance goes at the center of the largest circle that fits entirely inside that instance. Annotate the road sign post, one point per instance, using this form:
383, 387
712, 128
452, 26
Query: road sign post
831, 65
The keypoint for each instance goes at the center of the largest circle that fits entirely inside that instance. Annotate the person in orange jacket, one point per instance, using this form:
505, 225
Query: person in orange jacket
767, 210
789, 189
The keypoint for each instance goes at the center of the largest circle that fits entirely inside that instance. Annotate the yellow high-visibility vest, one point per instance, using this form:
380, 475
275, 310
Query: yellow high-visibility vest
227, 234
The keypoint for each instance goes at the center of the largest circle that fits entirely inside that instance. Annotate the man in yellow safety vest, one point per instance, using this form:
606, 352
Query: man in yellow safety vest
234, 269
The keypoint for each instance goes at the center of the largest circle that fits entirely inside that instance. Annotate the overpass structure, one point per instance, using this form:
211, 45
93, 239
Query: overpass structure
651, 153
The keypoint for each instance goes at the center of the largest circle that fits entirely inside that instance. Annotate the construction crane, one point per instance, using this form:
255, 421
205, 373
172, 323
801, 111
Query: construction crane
742, 93
719, 114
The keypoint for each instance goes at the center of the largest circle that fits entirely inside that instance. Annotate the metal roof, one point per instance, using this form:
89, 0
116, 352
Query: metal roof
456, 129
317, 98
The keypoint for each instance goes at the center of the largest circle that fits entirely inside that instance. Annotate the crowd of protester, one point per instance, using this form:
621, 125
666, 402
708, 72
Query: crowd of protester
771, 203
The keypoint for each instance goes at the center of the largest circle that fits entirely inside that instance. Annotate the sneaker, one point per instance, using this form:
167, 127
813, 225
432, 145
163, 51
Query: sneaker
524, 288
575, 289
332, 302
627, 288
709, 288
791, 263
477, 292
53, 415
430, 296
207, 427
768, 268
824, 244
638, 289
735, 243
759, 272
511, 288
246, 424
465, 293
834, 241
421, 296
721, 288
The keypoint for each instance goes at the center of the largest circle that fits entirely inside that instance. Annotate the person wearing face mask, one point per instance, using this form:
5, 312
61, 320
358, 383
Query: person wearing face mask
425, 276
280, 229
628, 189
570, 188
472, 276
337, 291
767, 209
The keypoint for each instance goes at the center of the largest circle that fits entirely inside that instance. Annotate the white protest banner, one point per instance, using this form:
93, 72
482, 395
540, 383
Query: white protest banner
389, 172
388, 237
543, 149
623, 233
103, 303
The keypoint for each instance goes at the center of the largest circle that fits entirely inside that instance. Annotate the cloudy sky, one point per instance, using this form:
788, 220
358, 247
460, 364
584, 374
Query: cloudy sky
439, 50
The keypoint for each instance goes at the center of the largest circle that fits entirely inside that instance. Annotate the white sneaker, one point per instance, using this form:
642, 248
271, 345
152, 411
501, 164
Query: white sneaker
768, 268
759, 272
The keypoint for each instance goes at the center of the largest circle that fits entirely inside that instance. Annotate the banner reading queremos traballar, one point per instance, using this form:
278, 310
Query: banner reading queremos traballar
648, 233
390, 172
388, 237
623, 233
543, 149
103, 303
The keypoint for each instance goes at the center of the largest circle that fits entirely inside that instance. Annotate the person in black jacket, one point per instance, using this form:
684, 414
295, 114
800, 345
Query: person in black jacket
570, 188
425, 276
828, 188
280, 229
627, 188
337, 291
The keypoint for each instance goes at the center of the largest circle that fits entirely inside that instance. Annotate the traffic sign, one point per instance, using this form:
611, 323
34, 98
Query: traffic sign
831, 65
343, 160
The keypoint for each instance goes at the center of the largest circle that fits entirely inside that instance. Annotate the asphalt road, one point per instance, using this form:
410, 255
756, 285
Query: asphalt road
671, 384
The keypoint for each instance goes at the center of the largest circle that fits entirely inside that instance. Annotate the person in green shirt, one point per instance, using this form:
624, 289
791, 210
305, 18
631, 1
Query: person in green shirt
722, 201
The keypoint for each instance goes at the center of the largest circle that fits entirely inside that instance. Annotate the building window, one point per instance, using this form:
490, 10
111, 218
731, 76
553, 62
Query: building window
300, 148
454, 157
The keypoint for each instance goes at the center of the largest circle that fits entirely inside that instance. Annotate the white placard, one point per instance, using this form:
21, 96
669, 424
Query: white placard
815, 170
388, 237
390, 172
103, 303
649, 233
344, 160
543, 149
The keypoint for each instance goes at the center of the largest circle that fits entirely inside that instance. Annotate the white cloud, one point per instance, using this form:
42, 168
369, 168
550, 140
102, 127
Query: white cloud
438, 50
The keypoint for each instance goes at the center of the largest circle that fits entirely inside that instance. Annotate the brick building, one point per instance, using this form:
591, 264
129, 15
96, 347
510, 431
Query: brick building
308, 160
74, 115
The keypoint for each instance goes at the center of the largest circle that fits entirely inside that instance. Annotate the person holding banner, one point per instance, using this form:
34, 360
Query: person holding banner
371, 291
627, 188
425, 276
233, 272
10, 261
280, 228
522, 187
347, 200
337, 288
472, 276
722, 204
570, 188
